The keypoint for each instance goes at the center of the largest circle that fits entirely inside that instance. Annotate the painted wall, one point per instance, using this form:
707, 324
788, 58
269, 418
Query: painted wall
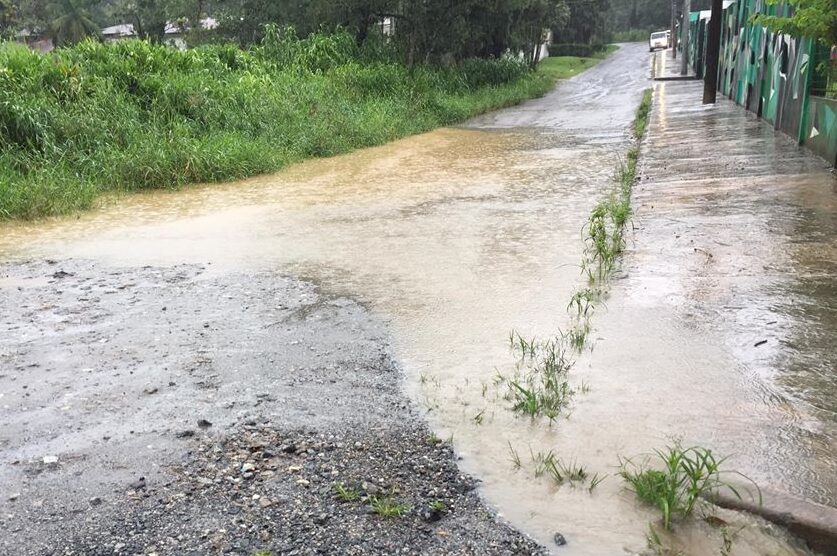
821, 128
769, 74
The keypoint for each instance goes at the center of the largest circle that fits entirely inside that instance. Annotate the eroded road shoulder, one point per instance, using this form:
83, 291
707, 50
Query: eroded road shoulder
177, 411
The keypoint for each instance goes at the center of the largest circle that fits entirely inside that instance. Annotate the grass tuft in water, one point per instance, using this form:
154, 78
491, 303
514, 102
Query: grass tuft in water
675, 480
539, 385
515, 457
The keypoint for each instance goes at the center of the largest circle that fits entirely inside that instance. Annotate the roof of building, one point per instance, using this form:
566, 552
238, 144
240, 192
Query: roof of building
172, 28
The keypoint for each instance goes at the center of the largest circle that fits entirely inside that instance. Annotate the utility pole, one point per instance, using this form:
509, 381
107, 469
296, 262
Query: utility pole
673, 28
713, 52
684, 28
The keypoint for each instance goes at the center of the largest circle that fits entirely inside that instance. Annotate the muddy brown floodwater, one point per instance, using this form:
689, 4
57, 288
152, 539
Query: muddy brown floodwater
457, 236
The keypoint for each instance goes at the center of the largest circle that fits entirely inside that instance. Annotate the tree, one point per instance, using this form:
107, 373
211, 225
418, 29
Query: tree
816, 19
8, 17
586, 24
33, 15
72, 22
426, 31
530, 19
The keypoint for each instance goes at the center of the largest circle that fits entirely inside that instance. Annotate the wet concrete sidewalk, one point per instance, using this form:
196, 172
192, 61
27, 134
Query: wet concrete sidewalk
666, 67
729, 296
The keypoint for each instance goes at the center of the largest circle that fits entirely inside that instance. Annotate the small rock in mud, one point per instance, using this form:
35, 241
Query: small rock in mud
188, 433
559, 539
204, 424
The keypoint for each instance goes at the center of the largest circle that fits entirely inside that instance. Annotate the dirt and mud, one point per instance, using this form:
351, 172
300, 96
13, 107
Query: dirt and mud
167, 410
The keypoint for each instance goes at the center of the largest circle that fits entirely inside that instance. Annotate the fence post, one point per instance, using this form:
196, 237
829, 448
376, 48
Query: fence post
713, 52
806, 91
673, 27
687, 25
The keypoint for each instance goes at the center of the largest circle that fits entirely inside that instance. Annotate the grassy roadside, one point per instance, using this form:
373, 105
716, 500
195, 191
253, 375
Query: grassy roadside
563, 67
128, 116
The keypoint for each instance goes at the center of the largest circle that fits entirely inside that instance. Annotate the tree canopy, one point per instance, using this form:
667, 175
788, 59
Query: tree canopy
420, 31
71, 22
816, 19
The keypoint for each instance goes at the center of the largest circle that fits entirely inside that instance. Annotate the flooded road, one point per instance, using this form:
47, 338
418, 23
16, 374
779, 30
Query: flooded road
457, 236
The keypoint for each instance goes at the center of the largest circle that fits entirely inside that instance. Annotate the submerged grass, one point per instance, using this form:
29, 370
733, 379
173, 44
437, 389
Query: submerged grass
604, 233
539, 385
131, 115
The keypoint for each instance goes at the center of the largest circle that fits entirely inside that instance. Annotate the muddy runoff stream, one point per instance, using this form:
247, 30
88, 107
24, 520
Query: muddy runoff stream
454, 238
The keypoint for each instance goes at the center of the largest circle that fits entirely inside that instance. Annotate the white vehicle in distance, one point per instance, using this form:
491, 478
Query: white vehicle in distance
658, 40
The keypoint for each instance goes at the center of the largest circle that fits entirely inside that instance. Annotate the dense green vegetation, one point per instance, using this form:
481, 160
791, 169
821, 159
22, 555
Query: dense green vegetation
816, 19
421, 30
133, 115
635, 20
251, 96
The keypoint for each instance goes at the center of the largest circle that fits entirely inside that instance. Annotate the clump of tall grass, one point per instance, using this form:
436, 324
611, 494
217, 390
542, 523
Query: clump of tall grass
132, 115
676, 480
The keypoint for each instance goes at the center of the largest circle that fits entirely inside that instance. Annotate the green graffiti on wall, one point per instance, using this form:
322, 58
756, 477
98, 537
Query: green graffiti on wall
768, 73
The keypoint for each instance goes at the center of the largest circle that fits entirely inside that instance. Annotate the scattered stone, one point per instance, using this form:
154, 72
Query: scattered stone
370, 488
14, 496
559, 539
149, 391
50, 460
230, 491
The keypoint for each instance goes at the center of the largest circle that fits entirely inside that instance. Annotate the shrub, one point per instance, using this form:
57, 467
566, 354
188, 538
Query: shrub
135, 115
